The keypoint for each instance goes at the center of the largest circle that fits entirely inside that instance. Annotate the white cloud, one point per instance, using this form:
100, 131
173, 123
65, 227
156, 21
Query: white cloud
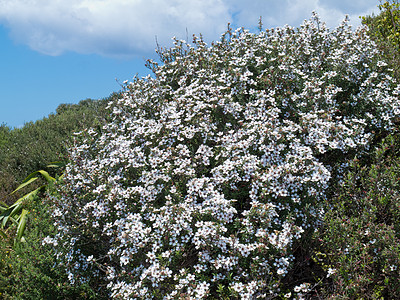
294, 12
109, 27
128, 27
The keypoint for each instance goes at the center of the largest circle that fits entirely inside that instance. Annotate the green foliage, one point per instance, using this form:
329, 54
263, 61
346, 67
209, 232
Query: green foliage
27, 271
16, 213
4, 136
385, 31
30, 148
359, 243
386, 26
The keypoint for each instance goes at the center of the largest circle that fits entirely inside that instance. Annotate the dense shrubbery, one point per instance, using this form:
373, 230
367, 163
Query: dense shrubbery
31, 148
28, 270
384, 29
125, 188
359, 242
209, 174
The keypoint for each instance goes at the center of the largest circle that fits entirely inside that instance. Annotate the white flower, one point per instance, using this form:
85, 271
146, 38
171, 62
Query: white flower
331, 272
281, 271
288, 295
212, 167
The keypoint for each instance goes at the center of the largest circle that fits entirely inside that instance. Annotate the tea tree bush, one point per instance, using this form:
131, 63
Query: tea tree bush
210, 171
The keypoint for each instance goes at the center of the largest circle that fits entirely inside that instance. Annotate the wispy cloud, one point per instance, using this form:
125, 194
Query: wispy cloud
128, 27
294, 12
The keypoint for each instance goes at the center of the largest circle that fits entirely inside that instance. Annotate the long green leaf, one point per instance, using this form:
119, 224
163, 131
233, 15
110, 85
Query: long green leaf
15, 212
3, 204
21, 224
17, 207
25, 183
27, 196
15, 222
6, 214
52, 166
56, 164
7, 217
16, 203
4, 217
3, 208
32, 177
46, 175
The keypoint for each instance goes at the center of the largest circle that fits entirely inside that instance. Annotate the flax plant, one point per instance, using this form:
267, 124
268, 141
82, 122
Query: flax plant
15, 216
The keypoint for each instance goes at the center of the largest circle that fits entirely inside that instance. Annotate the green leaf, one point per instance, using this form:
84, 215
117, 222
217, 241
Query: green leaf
32, 177
52, 166
3, 234
46, 175
3, 207
22, 225
26, 182
27, 197
4, 217
56, 164
3, 204
15, 208
15, 222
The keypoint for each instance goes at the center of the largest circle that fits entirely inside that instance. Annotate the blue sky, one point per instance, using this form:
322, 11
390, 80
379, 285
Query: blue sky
64, 51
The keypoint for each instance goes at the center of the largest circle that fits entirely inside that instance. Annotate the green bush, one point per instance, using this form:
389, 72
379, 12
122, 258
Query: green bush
7, 180
359, 242
28, 271
384, 30
4, 136
30, 148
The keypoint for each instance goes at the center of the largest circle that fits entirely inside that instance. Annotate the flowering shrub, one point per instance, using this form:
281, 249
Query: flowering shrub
210, 171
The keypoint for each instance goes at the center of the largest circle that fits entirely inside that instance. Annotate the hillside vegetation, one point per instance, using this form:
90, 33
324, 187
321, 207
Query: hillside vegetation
262, 166
32, 147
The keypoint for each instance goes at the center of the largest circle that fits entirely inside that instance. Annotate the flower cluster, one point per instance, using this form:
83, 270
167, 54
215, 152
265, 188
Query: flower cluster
211, 169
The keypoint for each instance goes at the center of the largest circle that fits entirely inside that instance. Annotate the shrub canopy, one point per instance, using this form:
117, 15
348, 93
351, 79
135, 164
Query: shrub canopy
384, 29
210, 171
